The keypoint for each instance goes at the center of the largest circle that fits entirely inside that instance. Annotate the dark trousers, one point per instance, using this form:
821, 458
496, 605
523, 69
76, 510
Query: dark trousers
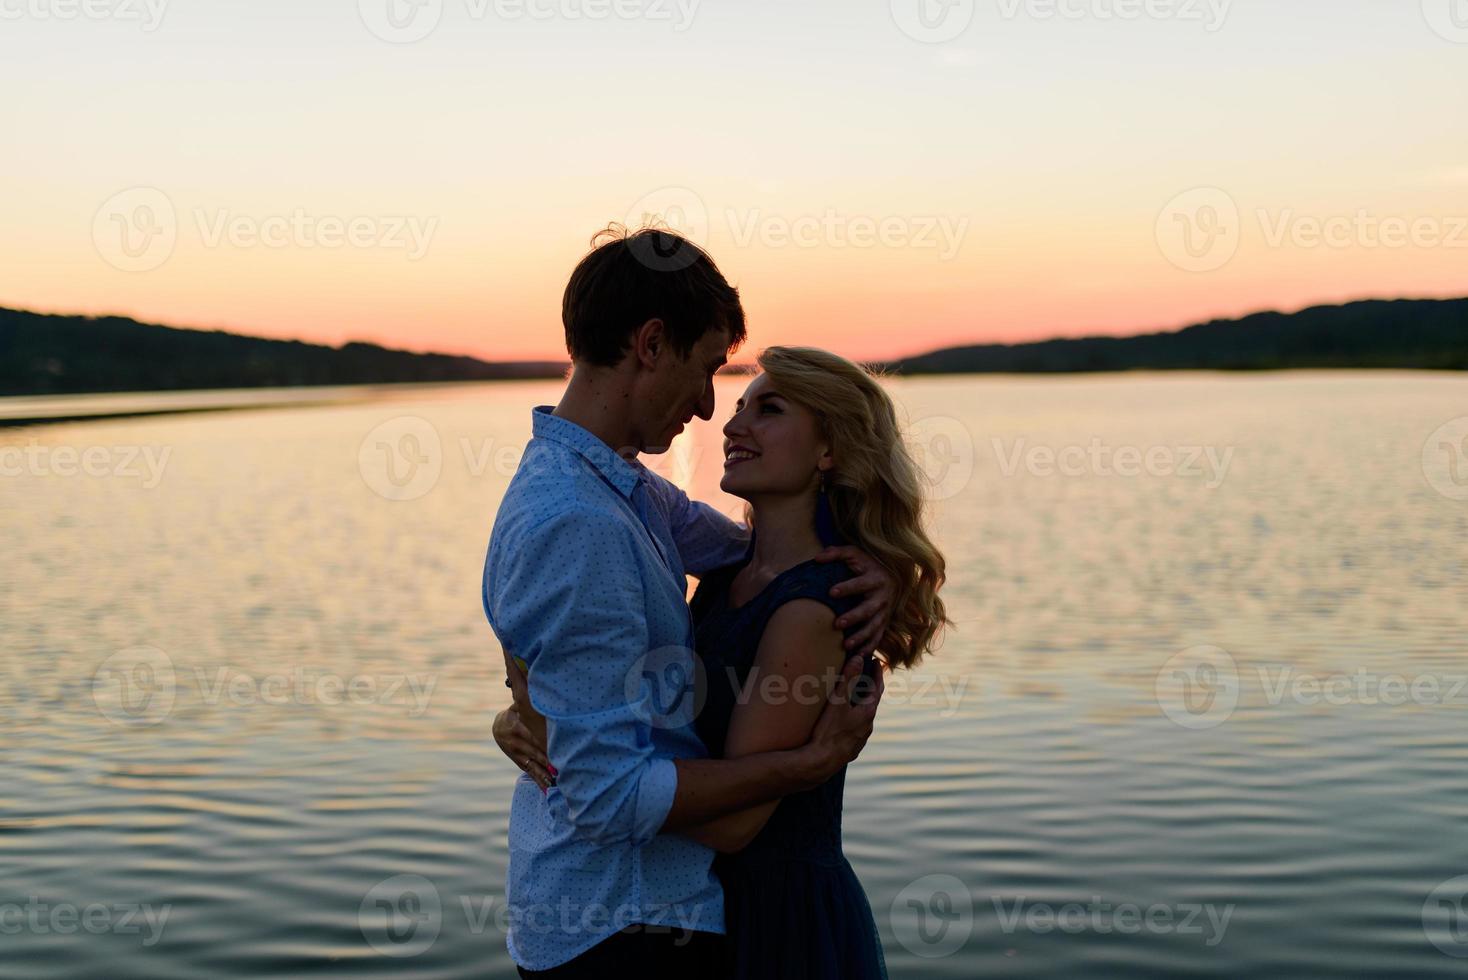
645, 953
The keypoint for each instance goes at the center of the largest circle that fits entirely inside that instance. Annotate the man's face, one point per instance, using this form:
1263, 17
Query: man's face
680, 388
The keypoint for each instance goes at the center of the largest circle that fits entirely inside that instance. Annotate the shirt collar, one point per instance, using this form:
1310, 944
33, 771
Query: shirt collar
620, 473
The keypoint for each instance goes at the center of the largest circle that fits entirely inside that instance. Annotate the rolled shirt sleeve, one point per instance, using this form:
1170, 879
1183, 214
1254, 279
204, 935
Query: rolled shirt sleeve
569, 597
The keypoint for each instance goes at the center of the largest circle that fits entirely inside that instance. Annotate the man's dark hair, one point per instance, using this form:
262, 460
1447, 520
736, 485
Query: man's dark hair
629, 278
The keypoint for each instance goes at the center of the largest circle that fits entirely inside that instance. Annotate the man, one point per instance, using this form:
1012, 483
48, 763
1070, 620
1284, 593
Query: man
585, 584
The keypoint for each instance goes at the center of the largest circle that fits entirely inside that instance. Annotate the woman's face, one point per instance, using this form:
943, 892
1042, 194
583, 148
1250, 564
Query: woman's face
771, 445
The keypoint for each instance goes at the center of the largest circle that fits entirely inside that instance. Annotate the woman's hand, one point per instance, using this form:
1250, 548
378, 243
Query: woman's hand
846, 723
519, 730
879, 590
518, 742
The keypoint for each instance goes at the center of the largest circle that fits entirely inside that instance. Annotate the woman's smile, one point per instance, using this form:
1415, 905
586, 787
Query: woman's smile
735, 455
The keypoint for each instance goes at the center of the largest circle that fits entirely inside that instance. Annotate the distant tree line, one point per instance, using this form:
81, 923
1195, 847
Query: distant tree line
1371, 334
45, 354
41, 354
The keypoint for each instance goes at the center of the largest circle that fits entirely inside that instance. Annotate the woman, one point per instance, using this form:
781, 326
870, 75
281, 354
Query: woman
814, 448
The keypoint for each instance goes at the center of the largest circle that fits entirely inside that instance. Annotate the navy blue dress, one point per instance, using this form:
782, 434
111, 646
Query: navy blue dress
794, 908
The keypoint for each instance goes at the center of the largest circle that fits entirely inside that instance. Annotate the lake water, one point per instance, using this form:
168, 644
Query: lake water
1204, 720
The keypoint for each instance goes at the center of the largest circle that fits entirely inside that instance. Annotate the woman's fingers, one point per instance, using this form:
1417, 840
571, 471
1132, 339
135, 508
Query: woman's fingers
541, 775
529, 747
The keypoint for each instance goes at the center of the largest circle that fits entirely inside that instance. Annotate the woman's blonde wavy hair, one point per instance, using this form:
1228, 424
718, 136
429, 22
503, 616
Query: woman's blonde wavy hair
874, 488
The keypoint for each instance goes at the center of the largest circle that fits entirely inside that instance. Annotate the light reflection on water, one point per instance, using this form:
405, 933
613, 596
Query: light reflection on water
1031, 759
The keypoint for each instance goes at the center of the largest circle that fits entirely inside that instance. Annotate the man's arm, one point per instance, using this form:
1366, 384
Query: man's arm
801, 646
712, 788
567, 599
708, 540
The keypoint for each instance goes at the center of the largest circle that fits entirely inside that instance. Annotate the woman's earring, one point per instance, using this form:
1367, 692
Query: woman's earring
825, 519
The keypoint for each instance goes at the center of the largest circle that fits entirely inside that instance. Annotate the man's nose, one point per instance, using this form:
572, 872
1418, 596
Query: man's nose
706, 403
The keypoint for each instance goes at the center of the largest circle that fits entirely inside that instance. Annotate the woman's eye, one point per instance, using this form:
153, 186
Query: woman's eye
767, 407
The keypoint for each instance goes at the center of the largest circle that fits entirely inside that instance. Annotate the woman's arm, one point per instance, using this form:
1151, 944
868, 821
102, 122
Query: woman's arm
795, 671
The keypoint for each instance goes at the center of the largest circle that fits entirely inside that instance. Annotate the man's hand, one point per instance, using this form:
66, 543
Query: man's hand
519, 730
876, 584
845, 724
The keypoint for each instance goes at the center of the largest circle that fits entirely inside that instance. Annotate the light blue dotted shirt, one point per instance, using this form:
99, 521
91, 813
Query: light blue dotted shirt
586, 576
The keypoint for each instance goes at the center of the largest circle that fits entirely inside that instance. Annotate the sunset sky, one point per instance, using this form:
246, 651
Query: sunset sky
872, 184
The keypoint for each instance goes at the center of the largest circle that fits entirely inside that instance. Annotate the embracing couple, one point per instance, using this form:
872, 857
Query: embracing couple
680, 808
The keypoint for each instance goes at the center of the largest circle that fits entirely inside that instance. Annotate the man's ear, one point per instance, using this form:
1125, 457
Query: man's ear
649, 343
